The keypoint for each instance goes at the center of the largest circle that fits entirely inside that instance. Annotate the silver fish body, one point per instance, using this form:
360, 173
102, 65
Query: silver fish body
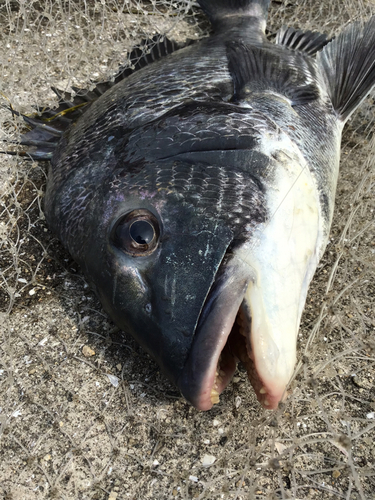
197, 195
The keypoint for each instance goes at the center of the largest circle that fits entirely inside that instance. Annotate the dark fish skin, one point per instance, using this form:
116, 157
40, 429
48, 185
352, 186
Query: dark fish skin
107, 161
197, 194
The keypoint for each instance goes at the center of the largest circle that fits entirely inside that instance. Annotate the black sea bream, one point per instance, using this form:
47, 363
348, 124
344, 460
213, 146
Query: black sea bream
197, 193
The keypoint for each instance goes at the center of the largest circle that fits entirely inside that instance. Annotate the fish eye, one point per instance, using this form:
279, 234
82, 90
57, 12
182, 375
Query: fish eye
137, 233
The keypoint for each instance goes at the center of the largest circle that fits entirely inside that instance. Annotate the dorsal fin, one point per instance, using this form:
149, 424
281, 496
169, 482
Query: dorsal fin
259, 69
48, 125
348, 67
309, 42
147, 52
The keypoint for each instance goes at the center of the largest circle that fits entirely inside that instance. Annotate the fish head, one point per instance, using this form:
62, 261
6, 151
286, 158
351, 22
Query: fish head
159, 240
160, 263
206, 266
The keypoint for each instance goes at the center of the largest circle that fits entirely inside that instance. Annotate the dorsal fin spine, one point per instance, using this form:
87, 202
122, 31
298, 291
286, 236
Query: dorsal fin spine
263, 70
309, 42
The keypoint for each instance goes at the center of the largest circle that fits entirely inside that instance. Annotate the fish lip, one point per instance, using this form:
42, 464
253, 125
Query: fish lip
213, 329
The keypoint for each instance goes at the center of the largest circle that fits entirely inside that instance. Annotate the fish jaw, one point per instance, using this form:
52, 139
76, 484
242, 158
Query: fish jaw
210, 365
263, 298
159, 301
284, 255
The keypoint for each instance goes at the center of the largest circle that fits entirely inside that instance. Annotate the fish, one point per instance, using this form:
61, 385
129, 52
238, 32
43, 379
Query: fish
197, 192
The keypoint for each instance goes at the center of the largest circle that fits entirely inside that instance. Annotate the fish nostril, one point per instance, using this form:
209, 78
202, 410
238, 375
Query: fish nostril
185, 332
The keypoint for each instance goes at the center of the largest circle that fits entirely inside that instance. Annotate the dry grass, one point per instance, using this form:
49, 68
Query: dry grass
84, 413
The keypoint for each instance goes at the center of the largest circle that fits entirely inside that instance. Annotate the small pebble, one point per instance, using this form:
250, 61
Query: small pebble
113, 379
208, 460
87, 351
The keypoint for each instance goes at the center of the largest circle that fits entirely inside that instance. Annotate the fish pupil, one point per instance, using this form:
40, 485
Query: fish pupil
136, 233
142, 232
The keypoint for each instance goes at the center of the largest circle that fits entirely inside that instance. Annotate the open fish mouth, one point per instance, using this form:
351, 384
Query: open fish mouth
253, 310
224, 337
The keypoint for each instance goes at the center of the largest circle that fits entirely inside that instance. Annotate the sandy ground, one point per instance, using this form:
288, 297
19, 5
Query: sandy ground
84, 412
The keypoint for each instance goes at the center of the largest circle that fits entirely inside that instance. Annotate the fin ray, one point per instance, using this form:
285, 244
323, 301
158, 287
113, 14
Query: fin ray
265, 70
49, 124
348, 67
309, 42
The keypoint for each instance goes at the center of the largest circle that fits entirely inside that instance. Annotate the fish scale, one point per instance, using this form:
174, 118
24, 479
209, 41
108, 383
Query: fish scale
211, 189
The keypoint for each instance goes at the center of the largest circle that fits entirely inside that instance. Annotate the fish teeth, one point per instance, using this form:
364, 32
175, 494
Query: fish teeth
214, 396
218, 380
263, 390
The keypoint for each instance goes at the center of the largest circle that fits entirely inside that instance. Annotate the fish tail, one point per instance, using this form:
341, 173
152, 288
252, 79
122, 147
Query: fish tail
219, 10
347, 65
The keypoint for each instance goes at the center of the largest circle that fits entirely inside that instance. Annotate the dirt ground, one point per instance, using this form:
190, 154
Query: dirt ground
84, 412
